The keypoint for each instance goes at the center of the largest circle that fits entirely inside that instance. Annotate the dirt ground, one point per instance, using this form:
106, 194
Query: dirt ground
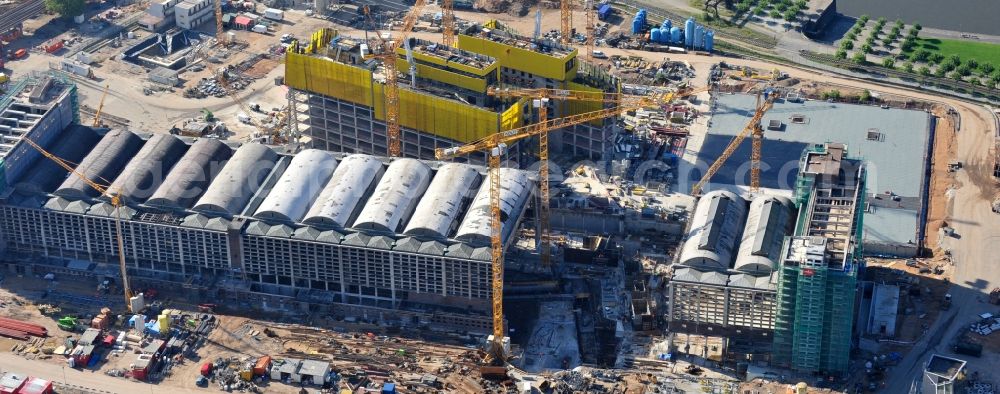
348, 347
941, 180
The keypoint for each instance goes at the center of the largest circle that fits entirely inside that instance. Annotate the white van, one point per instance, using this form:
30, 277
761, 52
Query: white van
259, 29
599, 54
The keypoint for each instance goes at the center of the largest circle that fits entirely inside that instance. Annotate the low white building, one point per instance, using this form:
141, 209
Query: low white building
159, 14
192, 13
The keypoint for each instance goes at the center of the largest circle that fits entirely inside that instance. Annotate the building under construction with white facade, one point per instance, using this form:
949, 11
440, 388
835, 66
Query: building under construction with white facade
403, 241
723, 285
780, 286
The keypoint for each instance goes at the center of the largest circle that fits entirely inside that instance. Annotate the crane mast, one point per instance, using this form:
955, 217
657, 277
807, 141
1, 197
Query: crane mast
565, 21
116, 202
387, 55
589, 29
752, 127
448, 22
220, 34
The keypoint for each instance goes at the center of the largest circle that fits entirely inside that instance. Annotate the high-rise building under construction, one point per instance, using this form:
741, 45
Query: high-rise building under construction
817, 278
443, 98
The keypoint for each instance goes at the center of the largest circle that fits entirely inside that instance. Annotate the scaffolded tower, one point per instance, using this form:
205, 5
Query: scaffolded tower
819, 268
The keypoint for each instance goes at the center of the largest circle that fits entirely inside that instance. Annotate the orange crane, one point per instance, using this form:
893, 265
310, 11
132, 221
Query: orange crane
220, 35
116, 202
753, 127
448, 22
565, 21
495, 145
387, 54
100, 107
589, 29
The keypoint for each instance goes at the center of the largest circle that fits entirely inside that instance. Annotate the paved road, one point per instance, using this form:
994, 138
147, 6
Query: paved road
96, 381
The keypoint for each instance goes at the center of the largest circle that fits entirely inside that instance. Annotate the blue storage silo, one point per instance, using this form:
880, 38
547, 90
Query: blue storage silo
665, 27
675, 35
689, 32
699, 37
654, 35
637, 25
641, 15
709, 40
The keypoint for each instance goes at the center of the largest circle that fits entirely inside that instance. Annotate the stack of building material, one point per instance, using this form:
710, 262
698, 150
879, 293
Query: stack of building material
20, 330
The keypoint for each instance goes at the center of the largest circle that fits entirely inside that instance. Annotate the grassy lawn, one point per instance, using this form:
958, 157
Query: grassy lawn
981, 51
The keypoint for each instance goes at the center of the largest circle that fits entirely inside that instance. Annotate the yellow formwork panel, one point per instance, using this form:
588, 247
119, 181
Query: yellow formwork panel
437, 74
445, 118
522, 59
513, 117
437, 116
319, 39
575, 107
329, 78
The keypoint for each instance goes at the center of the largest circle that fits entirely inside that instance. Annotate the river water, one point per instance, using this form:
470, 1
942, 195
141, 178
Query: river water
969, 16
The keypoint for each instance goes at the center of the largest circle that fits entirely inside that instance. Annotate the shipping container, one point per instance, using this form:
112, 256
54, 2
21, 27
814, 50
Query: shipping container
274, 14
262, 366
604, 12
53, 46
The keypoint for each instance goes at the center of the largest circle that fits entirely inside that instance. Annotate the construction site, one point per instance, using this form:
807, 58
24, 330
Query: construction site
414, 198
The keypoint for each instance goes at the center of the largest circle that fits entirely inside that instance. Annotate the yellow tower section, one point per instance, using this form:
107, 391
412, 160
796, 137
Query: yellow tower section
307, 70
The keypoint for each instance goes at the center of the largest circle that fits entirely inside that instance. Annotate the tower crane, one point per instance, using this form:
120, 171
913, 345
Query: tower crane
565, 20
100, 107
220, 34
752, 128
495, 145
116, 202
448, 22
589, 29
387, 54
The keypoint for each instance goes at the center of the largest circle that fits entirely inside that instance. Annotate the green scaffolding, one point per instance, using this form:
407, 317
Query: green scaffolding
811, 331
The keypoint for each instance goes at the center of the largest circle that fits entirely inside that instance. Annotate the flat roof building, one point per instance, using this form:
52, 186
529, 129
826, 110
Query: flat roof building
37, 106
895, 144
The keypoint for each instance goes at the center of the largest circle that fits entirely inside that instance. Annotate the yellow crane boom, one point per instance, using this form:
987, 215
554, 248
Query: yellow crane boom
100, 107
115, 202
752, 127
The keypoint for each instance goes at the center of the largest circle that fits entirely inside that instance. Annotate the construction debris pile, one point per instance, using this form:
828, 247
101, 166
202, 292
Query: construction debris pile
988, 325
637, 70
237, 77
235, 373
